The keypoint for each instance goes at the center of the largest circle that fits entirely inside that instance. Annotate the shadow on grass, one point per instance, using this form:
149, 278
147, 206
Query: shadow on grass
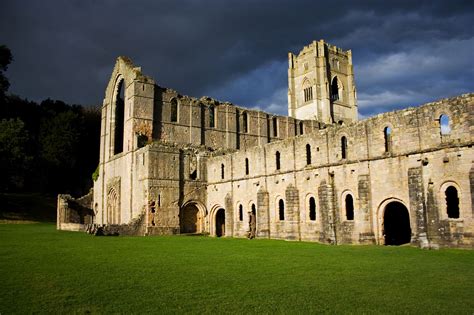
27, 207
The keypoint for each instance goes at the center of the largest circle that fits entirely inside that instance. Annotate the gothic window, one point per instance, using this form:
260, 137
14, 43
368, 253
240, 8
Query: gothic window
246, 166
212, 119
222, 171
275, 126
241, 213
349, 207
119, 118
452, 202
277, 160
245, 122
174, 110
308, 154
387, 132
312, 209
308, 94
444, 125
281, 210
343, 147
334, 90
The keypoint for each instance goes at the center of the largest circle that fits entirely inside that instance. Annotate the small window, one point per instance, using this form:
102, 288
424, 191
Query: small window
343, 147
308, 154
222, 171
275, 126
452, 202
312, 209
308, 94
349, 207
174, 110
281, 210
212, 119
301, 125
247, 166
334, 90
254, 210
277, 160
444, 125
387, 132
245, 122
241, 213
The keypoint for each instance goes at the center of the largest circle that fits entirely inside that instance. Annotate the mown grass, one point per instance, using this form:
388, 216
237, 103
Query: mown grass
49, 271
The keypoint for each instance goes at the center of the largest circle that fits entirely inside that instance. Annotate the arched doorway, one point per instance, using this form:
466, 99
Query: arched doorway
396, 224
190, 219
220, 222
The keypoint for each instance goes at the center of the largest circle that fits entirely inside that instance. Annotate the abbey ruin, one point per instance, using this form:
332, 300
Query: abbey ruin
173, 164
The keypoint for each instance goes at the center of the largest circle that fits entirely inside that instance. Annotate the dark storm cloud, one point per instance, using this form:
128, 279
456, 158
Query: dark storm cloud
404, 53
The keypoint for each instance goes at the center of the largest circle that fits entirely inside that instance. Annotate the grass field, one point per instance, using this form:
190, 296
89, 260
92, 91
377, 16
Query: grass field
49, 271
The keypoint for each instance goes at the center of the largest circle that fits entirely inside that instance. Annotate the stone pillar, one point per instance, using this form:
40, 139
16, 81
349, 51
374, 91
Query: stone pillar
432, 218
366, 234
326, 206
471, 181
292, 223
417, 206
229, 216
263, 213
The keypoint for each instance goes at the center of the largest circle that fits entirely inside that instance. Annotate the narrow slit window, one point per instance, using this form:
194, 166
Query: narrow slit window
245, 122
212, 118
349, 207
312, 209
277, 160
281, 210
247, 166
222, 171
241, 213
344, 147
174, 110
388, 138
275, 126
308, 154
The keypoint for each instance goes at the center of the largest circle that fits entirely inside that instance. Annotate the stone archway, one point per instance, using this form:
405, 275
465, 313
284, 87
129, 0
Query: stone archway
396, 224
190, 219
220, 222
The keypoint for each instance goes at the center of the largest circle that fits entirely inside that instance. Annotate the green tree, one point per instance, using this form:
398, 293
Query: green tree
5, 59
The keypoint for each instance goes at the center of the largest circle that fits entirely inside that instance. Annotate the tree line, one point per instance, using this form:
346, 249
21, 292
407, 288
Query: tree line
48, 147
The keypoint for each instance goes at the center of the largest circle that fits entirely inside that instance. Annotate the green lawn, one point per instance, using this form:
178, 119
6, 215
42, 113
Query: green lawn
49, 271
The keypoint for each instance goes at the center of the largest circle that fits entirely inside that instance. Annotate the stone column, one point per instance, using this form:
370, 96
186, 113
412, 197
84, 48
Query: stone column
263, 213
292, 210
229, 216
326, 206
366, 234
417, 206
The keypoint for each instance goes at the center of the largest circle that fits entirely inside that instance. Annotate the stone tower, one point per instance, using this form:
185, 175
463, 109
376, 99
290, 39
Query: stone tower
321, 84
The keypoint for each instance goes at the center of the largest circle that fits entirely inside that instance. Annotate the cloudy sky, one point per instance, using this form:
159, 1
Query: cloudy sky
404, 52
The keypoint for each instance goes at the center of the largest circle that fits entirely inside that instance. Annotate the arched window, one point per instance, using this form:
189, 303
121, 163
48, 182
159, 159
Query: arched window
222, 171
343, 147
334, 90
241, 213
445, 129
308, 154
349, 207
275, 126
212, 118
277, 160
301, 125
119, 118
312, 209
452, 202
245, 122
387, 133
246, 166
174, 110
281, 210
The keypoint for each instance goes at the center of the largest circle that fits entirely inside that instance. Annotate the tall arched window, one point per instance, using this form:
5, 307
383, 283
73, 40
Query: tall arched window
277, 160
246, 166
344, 147
212, 118
245, 122
312, 209
308, 154
349, 207
452, 202
222, 171
241, 213
174, 110
445, 128
119, 112
387, 133
281, 210
334, 90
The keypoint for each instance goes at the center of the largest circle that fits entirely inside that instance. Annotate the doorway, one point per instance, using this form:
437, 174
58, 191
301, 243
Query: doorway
396, 224
220, 222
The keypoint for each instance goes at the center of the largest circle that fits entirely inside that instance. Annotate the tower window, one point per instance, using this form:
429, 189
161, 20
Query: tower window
387, 132
308, 94
312, 209
275, 126
222, 171
246, 166
174, 110
444, 125
334, 90
349, 207
119, 113
301, 125
344, 147
308, 154
277, 160
281, 210
212, 118
245, 122
452, 202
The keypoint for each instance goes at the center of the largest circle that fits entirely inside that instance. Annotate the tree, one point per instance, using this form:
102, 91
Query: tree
5, 59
